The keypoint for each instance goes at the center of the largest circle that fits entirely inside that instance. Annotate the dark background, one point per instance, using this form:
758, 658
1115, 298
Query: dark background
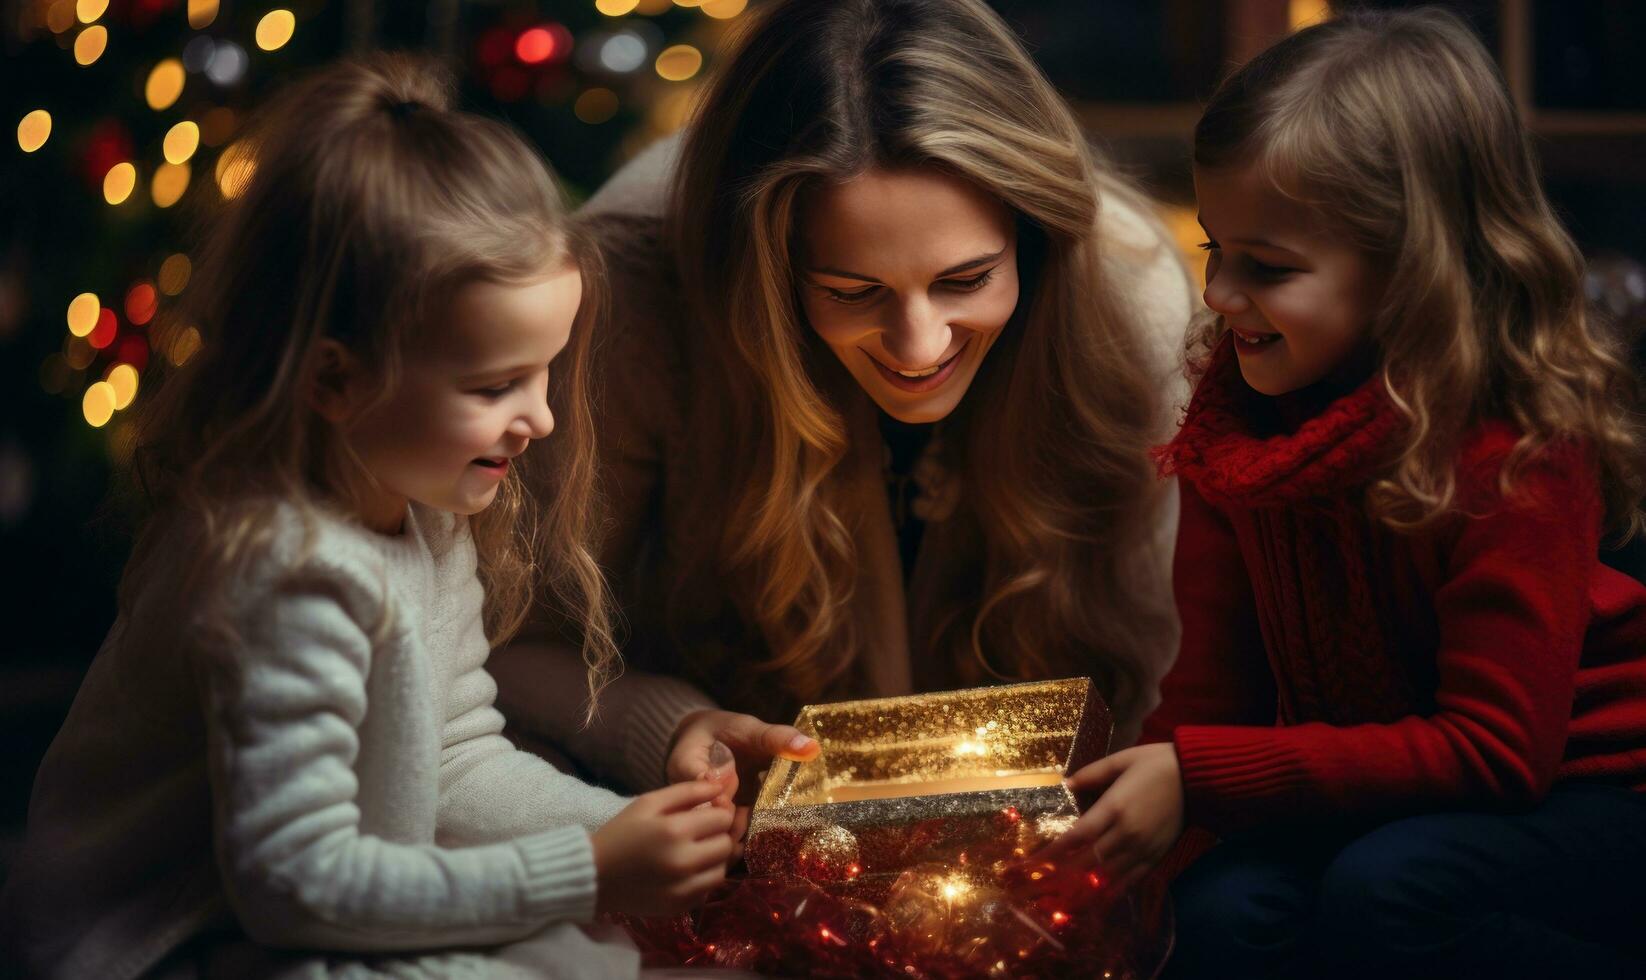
1134, 70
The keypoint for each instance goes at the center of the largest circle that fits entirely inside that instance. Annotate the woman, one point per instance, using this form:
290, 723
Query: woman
878, 394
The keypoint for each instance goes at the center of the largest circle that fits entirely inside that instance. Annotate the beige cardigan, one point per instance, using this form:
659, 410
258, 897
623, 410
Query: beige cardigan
540, 679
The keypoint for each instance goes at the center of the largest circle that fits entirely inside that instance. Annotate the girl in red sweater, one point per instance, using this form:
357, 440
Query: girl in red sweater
1410, 701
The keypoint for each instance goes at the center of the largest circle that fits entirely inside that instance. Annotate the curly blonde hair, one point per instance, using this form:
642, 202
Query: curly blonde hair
369, 203
1399, 130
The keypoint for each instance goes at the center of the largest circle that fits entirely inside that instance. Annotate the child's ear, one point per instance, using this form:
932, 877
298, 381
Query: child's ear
336, 379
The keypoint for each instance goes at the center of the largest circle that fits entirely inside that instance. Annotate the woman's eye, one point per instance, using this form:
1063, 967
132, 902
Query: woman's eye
851, 296
972, 284
1264, 270
496, 391
1207, 246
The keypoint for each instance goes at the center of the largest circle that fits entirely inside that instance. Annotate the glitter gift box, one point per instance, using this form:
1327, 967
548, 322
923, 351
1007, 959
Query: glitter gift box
960, 777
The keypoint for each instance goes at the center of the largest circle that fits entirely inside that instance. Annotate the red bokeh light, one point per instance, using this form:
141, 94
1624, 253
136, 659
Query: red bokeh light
141, 303
535, 46
133, 350
102, 335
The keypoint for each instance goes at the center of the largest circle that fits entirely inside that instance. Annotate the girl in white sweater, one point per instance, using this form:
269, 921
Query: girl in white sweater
285, 760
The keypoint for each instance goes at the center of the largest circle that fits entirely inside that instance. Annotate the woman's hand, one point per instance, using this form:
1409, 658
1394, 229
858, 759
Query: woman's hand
663, 852
1136, 820
753, 744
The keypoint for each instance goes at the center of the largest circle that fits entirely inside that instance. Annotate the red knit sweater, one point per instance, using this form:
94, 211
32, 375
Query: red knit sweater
1332, 667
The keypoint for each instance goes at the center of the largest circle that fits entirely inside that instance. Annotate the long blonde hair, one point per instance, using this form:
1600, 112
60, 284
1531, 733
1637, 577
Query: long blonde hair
1399, 130
370, 203
1051, 442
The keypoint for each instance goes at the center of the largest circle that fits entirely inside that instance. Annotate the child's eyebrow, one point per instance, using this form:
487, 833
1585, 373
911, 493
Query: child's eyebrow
498, 372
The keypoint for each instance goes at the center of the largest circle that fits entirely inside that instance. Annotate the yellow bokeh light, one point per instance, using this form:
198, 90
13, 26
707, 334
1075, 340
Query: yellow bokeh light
34, 130
119, 182
680, 62
181, 142
1302, 13
688, 3
174, 273
60, 16
91, 43
183, 346
651, 8
616, 8
98, 404
275, 29
234, 170
123, 379
202, 13
724, 9
83, 310
165, 84
170, 181
89, 10
596, 105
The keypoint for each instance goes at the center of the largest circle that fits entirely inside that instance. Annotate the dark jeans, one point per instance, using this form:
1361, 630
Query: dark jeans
1559, 891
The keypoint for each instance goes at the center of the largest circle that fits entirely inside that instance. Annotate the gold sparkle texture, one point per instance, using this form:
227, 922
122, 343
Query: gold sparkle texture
942, 777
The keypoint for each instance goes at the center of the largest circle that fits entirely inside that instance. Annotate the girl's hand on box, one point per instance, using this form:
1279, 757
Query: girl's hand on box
752, 743
1136, 819
663, 852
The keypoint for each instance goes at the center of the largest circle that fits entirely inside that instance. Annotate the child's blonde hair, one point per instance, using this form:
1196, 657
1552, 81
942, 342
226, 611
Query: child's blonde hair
369, 203
1399, 129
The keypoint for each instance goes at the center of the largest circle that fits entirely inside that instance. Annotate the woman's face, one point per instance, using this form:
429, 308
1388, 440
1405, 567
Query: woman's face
909, 277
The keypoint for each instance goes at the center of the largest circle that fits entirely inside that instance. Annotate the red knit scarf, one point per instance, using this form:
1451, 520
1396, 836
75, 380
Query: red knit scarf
1326, 576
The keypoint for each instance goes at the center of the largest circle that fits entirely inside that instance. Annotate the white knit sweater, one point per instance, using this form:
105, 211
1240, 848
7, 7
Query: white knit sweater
330, 781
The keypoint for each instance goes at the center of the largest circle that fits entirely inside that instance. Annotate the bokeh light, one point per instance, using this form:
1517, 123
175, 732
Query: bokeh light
83, 313
78, 352
34, 130
118, 183
102, 335
202, 13
141, 303
98, 404
91, 44
60, 16
174, 273
534, 45
181, 141
651, 8
165, 84
123, 379
87, 11
170, 182
275, 29
616, 8
228, 63
678, 63
183, 346
623, 52
596, 106
724, 9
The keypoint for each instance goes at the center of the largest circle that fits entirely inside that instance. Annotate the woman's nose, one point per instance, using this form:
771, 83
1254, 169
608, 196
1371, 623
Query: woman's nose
1223, 295
919, 338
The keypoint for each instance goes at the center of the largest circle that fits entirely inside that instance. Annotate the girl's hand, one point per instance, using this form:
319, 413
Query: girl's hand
663, 852
1136, 820
753, 744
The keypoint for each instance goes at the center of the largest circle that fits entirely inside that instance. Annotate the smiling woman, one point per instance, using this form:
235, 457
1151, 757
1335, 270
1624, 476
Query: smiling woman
882, 375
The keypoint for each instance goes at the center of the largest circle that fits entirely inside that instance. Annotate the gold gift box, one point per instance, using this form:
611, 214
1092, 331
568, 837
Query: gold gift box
965, 777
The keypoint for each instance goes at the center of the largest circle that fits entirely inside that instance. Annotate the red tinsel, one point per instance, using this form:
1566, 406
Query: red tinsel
933, 922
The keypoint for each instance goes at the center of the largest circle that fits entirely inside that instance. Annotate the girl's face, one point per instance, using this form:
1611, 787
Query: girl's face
1298, 298
909, 277
469, 402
